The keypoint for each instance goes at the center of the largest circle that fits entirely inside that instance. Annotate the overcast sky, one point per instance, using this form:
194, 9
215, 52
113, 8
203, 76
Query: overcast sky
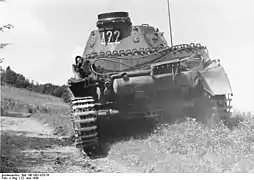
48, 34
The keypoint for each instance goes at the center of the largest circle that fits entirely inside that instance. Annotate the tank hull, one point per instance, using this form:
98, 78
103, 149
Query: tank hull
129, 72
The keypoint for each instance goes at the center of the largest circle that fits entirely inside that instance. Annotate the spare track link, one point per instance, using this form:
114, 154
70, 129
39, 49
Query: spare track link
84, 118
221, 105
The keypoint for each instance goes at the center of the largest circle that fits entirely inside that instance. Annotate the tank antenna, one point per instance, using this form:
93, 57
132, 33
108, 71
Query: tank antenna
169, 20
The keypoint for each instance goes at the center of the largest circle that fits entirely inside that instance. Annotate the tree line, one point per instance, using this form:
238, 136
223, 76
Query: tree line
10, 77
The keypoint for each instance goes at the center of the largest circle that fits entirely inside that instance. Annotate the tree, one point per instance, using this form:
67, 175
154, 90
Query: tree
10, 76
17, 80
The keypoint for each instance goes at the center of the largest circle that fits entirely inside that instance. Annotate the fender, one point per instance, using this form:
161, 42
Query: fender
215, 80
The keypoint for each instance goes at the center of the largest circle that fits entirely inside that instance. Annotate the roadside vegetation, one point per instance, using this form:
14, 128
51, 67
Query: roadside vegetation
48, 109
11, 78
47, 102
191, 147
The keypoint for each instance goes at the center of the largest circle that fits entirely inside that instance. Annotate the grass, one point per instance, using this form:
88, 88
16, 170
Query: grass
48, 109
14, 98
191, 147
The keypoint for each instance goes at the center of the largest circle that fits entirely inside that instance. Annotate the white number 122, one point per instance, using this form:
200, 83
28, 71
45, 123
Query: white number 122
110, 36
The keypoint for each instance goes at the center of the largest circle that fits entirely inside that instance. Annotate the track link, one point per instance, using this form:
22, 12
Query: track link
84, 120
213, 109
221, 105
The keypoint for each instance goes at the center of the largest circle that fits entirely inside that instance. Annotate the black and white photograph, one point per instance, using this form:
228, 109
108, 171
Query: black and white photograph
126, 86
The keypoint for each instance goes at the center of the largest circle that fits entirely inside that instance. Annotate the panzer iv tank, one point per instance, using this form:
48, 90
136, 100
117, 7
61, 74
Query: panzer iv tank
129, 71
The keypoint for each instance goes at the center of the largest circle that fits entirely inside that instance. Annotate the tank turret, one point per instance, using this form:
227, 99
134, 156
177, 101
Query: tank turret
116, 32
116, 35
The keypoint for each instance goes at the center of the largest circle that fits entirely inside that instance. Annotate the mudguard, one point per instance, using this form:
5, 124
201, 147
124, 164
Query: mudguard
215, 80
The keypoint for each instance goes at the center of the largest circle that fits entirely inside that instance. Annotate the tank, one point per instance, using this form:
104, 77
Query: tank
129, 71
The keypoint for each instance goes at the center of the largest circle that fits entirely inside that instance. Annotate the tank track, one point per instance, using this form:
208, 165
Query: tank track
213, 109
221, 107
84, 118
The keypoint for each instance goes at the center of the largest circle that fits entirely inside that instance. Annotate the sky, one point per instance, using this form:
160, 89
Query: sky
48, 34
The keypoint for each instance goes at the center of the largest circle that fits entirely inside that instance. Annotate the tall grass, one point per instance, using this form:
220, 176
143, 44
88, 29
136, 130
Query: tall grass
191, 147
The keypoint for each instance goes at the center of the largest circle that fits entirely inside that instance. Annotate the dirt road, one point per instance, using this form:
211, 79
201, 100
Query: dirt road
27, 145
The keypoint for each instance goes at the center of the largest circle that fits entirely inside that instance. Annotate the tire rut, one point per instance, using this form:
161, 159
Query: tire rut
29, 146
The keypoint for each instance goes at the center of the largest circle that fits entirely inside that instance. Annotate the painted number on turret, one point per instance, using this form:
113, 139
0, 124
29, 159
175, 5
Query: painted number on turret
112, 36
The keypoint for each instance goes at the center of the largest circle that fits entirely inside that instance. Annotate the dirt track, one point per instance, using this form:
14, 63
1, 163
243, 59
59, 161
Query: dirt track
30, 146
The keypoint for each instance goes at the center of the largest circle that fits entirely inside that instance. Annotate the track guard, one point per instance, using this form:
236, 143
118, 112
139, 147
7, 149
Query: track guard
215, 81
